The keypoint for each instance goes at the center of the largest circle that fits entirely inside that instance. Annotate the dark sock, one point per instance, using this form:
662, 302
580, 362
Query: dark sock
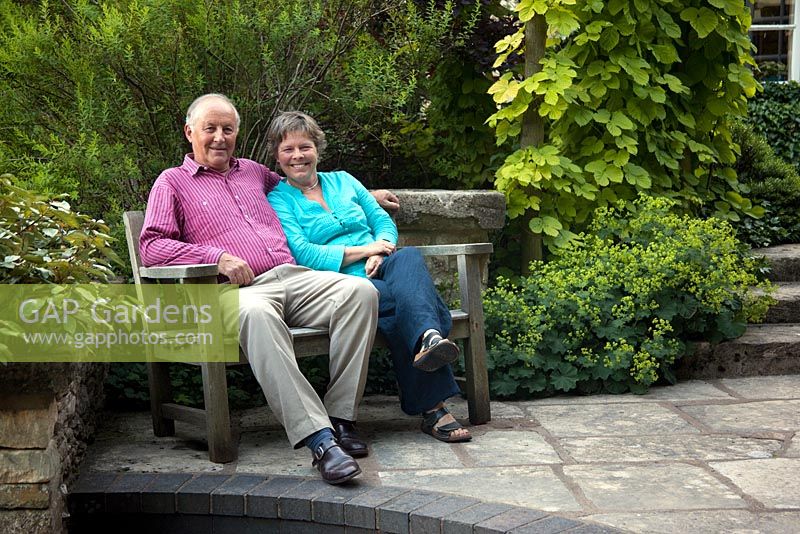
338, 420
313, 441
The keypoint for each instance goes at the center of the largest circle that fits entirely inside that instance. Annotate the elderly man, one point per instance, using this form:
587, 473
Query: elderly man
213, 209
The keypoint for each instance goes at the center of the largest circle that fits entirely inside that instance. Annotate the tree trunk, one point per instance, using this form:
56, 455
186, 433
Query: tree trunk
532, 131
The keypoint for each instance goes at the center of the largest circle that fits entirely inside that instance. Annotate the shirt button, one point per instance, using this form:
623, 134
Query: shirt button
236, 197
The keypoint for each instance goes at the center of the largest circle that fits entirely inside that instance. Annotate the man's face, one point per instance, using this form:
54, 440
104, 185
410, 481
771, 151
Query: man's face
213, 134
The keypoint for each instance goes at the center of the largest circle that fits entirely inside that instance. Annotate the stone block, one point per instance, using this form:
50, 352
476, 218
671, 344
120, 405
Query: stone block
244, 525
262, 500
295, 503
462, 521
27, 420
159, 496
393, 516
428, 519
26, 521
360, 511
13, 496
194, 497
508, 520
228, 499
328, 507
304, 527
458, 212
124, 495
29, 466
88, 495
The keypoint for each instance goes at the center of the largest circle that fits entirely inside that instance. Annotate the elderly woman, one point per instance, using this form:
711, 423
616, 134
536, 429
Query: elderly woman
332, 223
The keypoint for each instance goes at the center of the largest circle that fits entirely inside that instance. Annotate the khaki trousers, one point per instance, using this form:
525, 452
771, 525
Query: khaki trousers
290, 295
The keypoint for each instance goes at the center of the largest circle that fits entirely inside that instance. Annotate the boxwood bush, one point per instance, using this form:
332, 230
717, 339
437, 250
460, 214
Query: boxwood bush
617, 310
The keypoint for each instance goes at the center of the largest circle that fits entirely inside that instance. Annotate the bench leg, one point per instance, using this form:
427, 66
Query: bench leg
160, 393
477, 382
218, 420
474, 346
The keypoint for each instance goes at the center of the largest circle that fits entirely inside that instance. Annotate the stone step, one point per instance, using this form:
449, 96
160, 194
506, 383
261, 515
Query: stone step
787, 309
785, 262
765, 349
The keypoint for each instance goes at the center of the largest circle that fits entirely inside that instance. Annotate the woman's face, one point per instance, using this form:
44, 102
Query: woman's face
297, 155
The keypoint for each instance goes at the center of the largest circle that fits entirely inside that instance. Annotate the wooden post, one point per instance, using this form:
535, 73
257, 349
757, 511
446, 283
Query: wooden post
532, 131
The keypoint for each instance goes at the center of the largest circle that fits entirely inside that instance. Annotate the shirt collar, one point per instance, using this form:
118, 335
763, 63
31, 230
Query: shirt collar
194, 168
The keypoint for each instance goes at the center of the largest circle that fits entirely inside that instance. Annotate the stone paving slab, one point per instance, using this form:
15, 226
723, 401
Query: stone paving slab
765, 387
536, 487
270, 452
412, 450
793, 451
671, 447
629, 487
510, 447
619, 419
774, 482
689, 390
780, 416
738, 521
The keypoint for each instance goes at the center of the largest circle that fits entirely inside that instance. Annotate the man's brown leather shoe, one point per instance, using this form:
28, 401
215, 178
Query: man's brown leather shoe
347, 436
334, 464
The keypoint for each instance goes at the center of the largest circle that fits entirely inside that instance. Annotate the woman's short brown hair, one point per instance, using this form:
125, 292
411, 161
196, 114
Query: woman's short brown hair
294, 121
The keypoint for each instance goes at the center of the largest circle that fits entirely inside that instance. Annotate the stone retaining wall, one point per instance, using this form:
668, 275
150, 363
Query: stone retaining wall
47, 414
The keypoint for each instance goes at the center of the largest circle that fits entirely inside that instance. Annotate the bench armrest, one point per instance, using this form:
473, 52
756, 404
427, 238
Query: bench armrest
179, 271
466, 249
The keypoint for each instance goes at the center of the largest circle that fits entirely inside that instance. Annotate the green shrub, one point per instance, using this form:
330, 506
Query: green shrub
94, 93
774, 184
775, 114
616, 310
43, 240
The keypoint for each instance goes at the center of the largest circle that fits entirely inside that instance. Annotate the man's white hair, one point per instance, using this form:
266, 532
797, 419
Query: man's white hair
190, 113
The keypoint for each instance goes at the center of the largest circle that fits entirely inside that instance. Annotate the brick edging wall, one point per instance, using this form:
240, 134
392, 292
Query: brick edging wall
215, 503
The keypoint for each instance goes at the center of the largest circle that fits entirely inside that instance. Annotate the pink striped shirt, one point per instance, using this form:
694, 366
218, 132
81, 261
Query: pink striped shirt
194, 214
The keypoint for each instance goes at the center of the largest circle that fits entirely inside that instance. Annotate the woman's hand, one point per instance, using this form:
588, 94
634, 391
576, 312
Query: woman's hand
373, 264
379, 247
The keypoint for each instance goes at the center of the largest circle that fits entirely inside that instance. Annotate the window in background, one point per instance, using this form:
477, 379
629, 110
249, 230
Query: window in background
773, 32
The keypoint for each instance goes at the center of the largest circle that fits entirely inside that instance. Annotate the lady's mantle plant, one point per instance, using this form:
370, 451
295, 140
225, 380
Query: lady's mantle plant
614, 311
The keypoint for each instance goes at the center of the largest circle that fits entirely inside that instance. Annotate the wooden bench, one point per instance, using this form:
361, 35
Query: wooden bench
467, 325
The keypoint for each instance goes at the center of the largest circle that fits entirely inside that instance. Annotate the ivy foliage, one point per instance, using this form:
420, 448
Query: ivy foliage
775, 114
637, 97
615, 311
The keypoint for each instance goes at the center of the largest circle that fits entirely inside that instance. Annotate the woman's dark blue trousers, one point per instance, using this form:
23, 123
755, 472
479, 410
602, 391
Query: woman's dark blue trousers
409, 305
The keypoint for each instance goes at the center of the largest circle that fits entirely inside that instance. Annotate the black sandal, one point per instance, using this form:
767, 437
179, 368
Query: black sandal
435, 352
443, 432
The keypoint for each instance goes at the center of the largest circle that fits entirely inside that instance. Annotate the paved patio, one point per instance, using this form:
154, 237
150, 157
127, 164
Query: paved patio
701, 456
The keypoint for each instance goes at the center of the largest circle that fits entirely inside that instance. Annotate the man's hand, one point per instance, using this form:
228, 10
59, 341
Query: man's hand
236, 269
373, 264
387, 200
